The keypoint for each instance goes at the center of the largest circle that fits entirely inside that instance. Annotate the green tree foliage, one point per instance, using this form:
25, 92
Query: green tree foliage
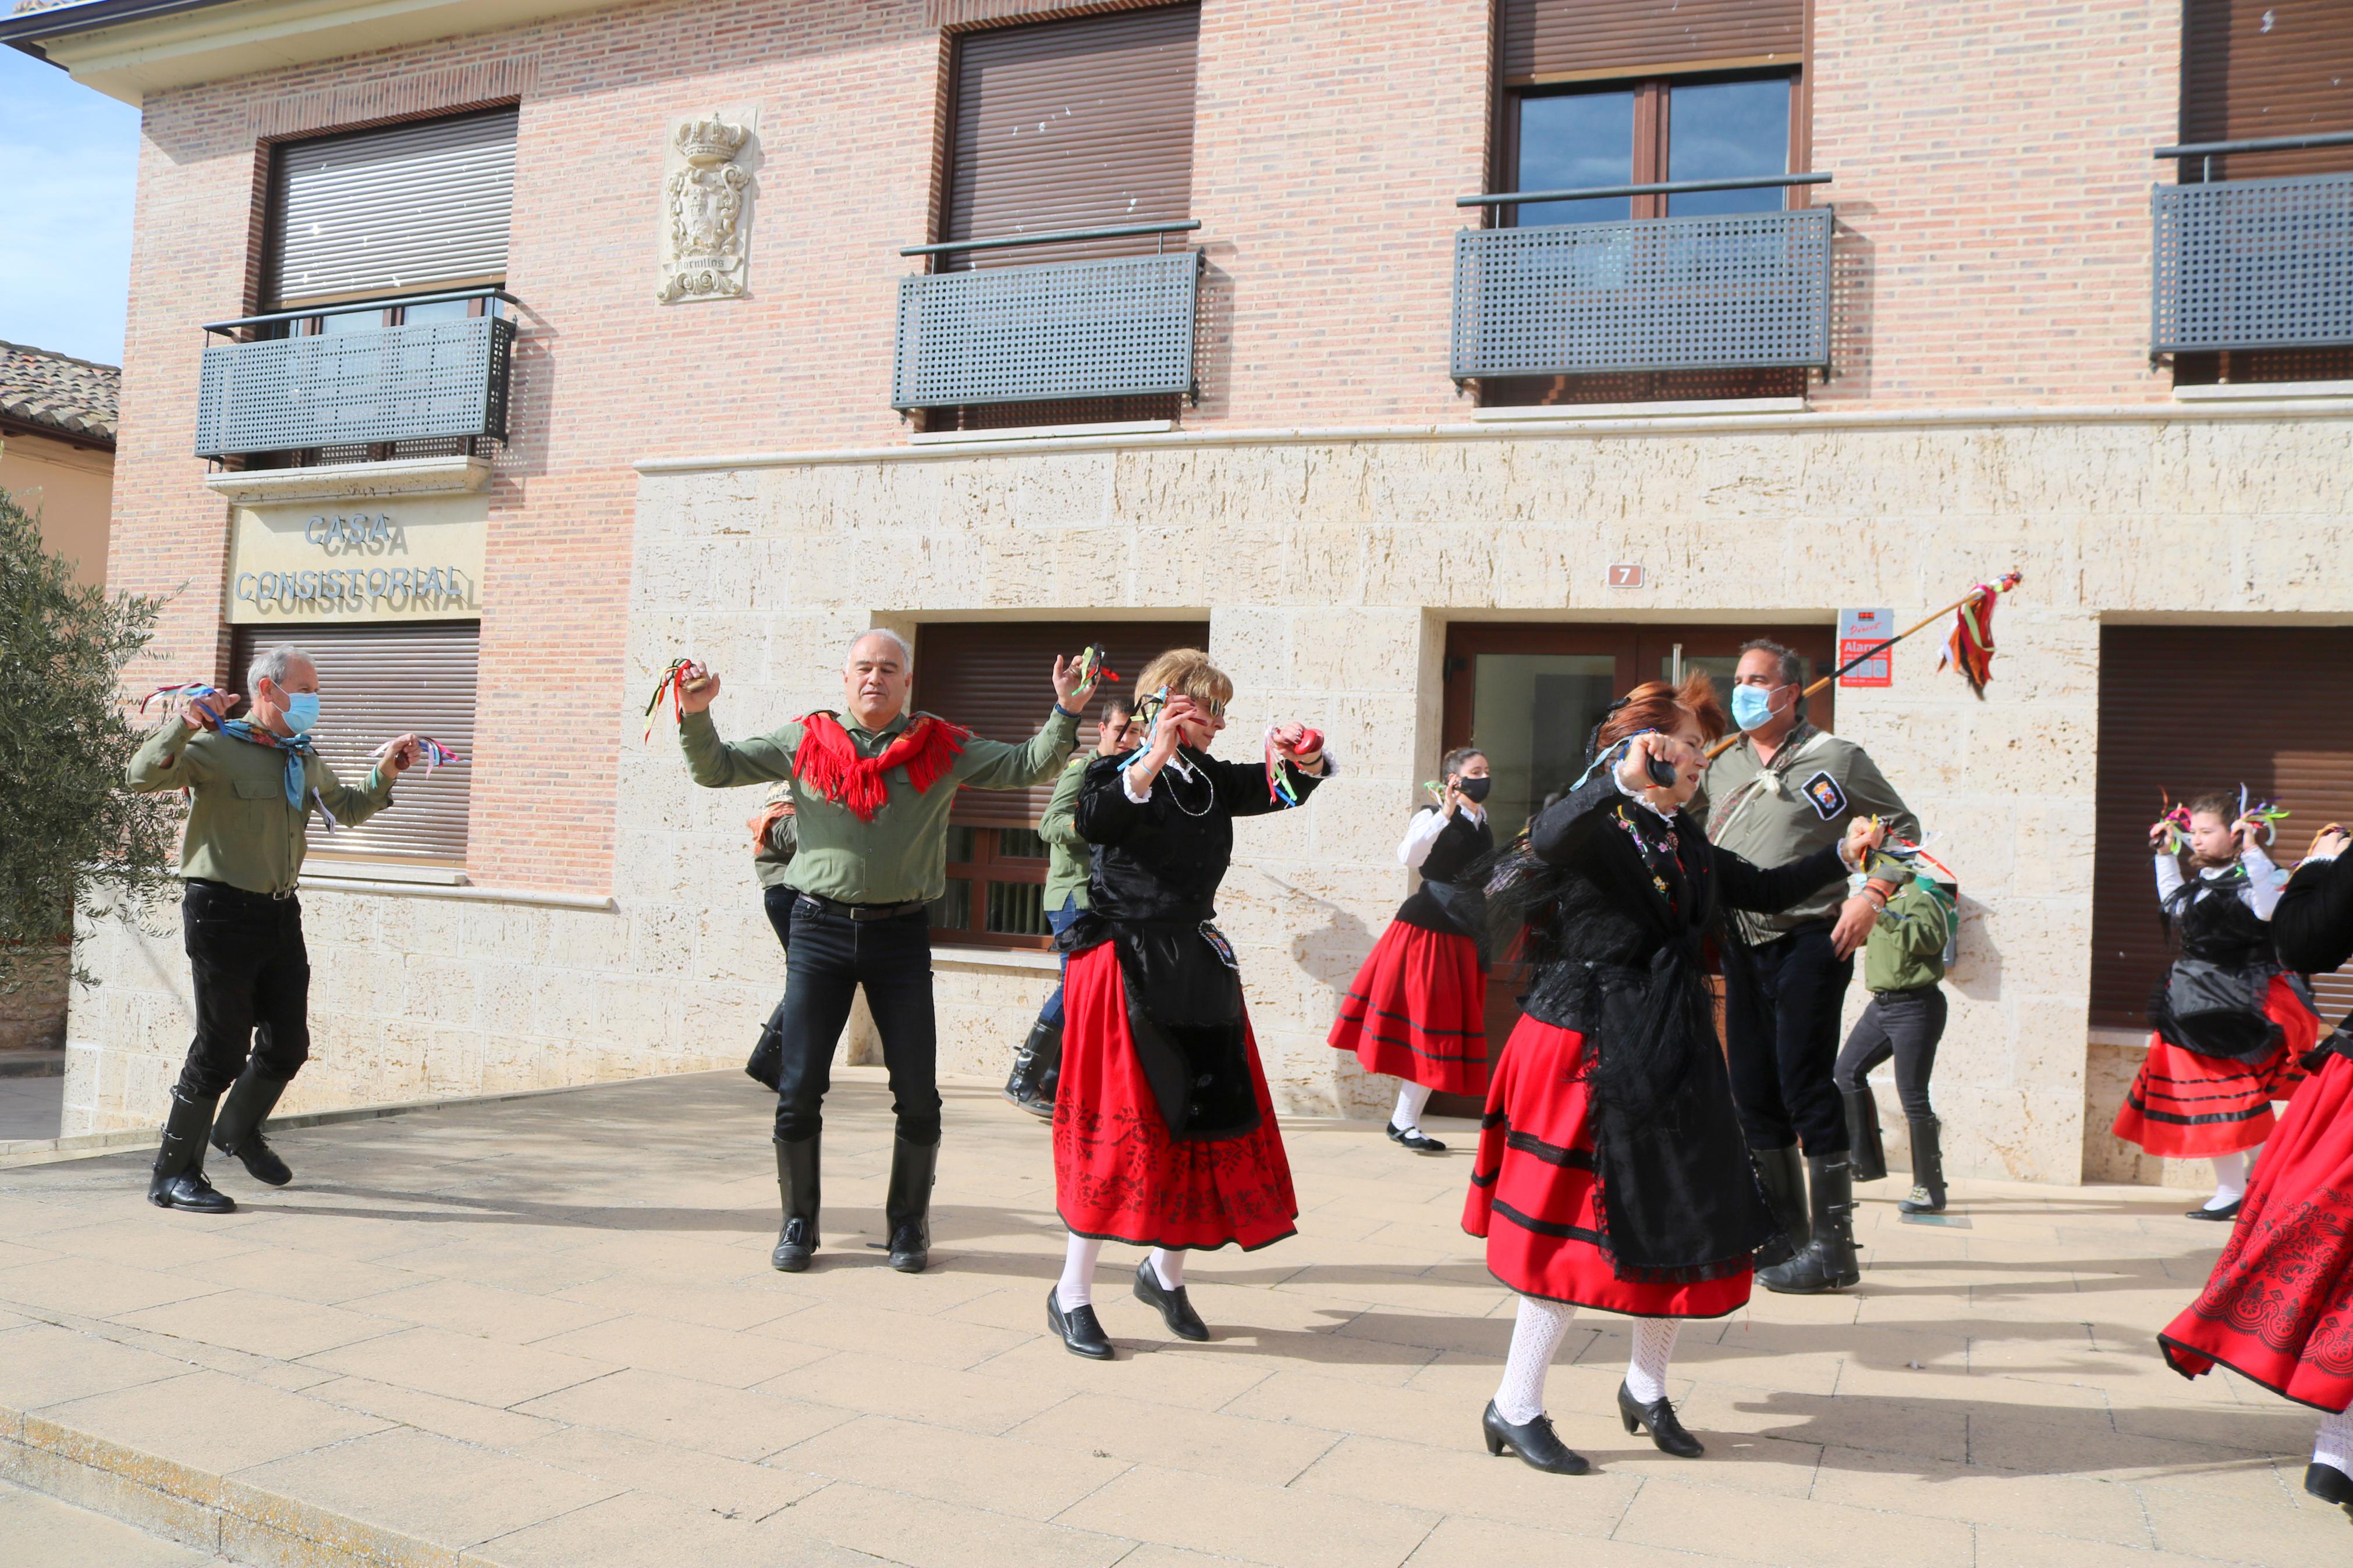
71, 834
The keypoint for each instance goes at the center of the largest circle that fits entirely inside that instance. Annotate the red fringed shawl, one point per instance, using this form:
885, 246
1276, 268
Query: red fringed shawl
827, 761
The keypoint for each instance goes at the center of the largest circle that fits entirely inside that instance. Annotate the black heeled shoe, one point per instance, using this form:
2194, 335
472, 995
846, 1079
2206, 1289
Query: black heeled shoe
2230, 1212
1659, 1415
1176, 1309
1535, 1444
1418, 1141
1081, 1334
2329, 1484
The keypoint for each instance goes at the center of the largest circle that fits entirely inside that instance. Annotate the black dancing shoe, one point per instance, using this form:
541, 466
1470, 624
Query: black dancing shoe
259, 1160
190, 1191
1176, 1309
1535, 1443
2329, 1484
1418, 1141
2231, 1212
1659, 1415
1081, 1334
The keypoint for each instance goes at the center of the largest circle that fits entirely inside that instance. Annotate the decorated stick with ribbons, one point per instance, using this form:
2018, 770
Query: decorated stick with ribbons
432, 751
1971, 644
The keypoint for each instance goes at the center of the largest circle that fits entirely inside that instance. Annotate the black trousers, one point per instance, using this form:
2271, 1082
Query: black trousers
1782, 1020
779, 902
831, 956
1905, 1025
253, 985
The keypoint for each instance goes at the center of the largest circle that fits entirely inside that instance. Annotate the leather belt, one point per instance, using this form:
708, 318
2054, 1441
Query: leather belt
247, 894
861, 913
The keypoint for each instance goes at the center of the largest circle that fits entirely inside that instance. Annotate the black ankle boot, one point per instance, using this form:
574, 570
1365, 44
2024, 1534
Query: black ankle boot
1783, 1177
178, 1180
1176, 1309
1659, 1415
2329, 1484
1035, 1069
1927, 1168
1082, 1333
1827, 1262
796, 1189
1868, 1153
1535, 1443
907, 1206
237, 1131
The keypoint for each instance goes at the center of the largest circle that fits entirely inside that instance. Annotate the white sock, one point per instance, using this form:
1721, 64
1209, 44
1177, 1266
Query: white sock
1077, 1288
1535, 1340
1654, 1346
2334, 1446
2229, 1180
1169, 1267
1411, 1098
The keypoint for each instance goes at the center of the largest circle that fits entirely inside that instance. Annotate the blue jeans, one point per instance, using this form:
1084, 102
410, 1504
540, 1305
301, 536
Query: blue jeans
1062, 919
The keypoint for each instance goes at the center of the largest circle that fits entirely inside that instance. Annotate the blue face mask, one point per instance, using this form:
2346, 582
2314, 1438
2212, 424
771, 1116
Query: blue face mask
301, 712
1752, 706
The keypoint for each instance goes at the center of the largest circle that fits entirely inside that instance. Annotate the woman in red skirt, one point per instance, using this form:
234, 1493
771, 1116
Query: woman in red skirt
1417, 1010
1163, 1135
2278, 1309
2230, 1025
1612, 1173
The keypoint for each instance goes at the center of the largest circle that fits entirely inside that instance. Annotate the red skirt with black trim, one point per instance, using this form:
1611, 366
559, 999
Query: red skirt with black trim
2278, 1308
2185, 1106
1534, 1197
1118, 1174
1417, 1010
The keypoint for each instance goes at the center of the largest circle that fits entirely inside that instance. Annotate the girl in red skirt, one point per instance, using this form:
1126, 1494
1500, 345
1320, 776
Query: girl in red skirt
1163, 1135
2278, 1309
1612, 1171
1417, 1010
2229, 1023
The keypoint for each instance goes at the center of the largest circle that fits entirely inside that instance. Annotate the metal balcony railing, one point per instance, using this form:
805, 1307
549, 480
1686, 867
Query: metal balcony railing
2251, 264
259, 393
1117, 326
1647, 294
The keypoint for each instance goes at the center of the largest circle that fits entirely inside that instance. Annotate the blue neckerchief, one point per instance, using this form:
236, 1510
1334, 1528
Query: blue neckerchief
298, 749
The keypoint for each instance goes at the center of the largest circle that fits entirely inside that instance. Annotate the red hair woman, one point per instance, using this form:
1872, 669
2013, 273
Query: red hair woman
1612, 1171
1418, 1008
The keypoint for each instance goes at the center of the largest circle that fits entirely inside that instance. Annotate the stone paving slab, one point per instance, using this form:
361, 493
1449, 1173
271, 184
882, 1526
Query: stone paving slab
544, 1331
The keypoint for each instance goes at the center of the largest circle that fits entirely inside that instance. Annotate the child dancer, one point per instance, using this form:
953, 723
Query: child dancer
1902, 965
2228, 1025
1417, 1010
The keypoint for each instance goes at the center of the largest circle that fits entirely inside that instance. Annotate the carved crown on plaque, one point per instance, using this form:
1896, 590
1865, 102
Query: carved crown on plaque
704, 239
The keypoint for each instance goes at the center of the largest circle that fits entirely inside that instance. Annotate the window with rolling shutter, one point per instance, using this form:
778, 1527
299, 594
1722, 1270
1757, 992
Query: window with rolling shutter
2254, 69
1568, 40
995, 678
405, 209
2186, 710
376, 682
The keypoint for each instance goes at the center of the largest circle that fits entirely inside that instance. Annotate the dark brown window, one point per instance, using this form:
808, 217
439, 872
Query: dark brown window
377, 681
995, 678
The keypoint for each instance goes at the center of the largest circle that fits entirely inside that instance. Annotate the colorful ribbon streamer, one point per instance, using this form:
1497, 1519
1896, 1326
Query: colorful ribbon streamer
1970, 648
182, 688
1278, 778
673, 679
435, 754
2270, 813
1094, 663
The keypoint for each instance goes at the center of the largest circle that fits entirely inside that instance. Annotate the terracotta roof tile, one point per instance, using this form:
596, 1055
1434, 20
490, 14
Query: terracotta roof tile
50, 391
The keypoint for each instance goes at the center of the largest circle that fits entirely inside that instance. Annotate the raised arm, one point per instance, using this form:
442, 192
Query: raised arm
1243, 785
164, 762
2313, 922
1059, 825
349, 805
1769, 889
1106, 812
1553, 836
1420, 837
1004, 765
2265, 881
715, 764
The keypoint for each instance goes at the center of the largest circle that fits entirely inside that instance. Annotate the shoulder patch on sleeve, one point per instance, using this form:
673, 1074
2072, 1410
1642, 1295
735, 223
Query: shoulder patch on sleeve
1822, 792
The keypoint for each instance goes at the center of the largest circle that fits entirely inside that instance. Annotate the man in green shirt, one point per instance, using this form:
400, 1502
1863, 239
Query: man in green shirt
1069, 859
870, 800
252, 783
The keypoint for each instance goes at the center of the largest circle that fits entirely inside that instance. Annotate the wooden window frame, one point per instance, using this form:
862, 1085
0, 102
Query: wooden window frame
1653, 128
988, 866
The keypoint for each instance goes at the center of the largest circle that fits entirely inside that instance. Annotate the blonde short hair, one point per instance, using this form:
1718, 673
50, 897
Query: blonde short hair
1186, 672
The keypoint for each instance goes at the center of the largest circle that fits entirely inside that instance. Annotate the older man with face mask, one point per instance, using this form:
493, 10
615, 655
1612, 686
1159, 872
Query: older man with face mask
252, 783
871, 799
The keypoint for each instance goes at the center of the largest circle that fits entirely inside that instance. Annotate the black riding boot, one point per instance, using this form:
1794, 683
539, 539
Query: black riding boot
1036, 1068
1828, 1262
908, 1204
1928, 1169
1868, 1153
797, 1187
236, 1132
178, 1181
1783, 1178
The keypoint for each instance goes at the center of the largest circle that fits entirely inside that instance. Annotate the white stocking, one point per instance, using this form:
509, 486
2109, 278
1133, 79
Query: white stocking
2229, 1180
1411, 1098
1169, 1267
1654, 1346
2335, 1444
1077, 1288
1535, 1340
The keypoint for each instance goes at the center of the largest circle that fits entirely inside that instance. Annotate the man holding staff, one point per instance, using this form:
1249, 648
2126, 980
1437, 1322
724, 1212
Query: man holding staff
870, 798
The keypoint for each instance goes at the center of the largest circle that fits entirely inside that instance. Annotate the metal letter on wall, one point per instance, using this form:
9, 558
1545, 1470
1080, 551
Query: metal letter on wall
707, 191
2252, 264
1117, 326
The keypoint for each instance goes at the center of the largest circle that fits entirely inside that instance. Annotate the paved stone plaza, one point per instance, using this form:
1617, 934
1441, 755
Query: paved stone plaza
544, 1331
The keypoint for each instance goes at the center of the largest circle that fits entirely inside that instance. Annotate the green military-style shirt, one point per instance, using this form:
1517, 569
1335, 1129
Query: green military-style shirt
901, 857
240, 829
1068, 857
1817, 784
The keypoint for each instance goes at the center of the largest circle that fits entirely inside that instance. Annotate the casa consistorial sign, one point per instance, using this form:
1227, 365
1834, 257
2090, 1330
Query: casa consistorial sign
419, 561
708, 185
